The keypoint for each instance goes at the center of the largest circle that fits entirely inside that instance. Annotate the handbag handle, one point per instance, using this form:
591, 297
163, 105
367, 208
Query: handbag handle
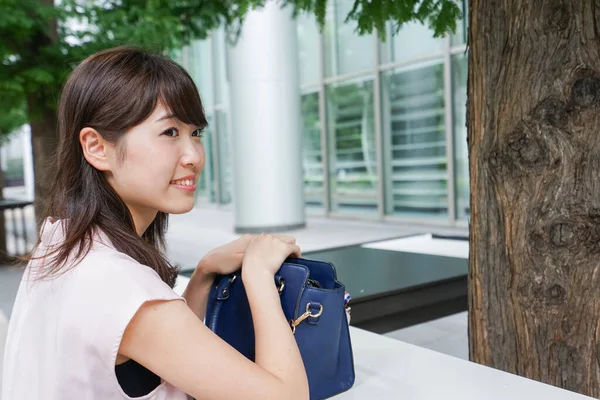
225, 287
280, 283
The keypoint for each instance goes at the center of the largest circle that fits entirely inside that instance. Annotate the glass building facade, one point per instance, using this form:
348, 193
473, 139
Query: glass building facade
383, 123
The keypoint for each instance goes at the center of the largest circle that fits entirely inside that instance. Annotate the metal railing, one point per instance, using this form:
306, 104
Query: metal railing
19, 225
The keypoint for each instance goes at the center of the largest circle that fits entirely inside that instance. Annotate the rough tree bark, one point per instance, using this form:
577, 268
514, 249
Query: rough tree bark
534, 145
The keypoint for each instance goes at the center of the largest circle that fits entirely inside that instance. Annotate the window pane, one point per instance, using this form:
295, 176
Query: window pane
220, 72
12, 159
205, 192
201, 70
415, 141
353, 180
308, 49
223, 136
460, 37
461, 153
312, 162
345, 50
414, 40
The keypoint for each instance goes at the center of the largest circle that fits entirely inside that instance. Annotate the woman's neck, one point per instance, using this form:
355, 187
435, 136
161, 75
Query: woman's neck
142, 218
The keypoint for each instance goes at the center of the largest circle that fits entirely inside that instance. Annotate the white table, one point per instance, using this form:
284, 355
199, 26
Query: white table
390, 369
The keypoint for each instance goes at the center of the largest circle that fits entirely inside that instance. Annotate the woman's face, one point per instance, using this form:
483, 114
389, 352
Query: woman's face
160, 162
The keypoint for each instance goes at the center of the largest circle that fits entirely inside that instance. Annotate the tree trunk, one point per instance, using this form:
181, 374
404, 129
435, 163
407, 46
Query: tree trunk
43, 119
44, 140
534, 149
4, 257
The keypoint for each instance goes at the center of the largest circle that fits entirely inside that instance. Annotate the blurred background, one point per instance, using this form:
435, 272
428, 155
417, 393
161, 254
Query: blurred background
382, 123
355, 145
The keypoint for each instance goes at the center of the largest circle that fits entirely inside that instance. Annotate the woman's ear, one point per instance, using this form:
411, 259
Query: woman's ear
95, 149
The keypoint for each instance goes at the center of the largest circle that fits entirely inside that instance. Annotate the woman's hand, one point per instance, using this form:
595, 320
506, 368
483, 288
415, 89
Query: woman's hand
228, 258
222, 260
265, 254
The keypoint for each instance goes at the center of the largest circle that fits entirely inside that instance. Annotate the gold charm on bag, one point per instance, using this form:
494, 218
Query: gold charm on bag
295, 323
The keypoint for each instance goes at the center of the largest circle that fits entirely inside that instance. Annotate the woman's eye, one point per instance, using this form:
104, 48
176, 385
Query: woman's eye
198, 133
172, 132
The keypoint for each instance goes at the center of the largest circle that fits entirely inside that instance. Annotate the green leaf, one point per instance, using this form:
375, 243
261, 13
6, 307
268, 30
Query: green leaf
38, 75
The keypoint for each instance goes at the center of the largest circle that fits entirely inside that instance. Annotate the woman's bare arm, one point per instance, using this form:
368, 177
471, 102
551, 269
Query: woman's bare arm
197, 291
168, 338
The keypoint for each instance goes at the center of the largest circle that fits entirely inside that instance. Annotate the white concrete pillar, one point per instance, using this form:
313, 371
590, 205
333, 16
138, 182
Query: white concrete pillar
264, 97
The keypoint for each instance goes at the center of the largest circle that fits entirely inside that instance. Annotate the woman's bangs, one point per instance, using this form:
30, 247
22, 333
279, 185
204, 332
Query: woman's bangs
178, 93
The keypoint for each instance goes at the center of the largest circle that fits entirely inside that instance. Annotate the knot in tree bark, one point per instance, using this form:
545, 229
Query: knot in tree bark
527, 149
556, 17
561, 234
552, 112
494, 159
556, 294
585, 91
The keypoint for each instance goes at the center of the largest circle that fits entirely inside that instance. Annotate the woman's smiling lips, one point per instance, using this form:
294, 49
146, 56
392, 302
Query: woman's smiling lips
187, 183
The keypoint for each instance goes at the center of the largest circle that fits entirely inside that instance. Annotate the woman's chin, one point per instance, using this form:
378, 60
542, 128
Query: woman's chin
179, 208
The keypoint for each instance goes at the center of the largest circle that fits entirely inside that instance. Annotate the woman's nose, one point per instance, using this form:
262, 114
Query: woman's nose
192, 153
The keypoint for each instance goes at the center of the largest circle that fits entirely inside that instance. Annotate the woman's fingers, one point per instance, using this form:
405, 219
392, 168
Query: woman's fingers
247, 238
295, 251
286, 239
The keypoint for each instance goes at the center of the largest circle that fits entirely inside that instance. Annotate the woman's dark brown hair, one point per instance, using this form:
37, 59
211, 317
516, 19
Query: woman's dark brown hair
112, 91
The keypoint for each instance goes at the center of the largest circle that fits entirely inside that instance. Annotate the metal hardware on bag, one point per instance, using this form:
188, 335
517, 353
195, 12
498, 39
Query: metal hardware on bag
307, 314
225, 291
281, 286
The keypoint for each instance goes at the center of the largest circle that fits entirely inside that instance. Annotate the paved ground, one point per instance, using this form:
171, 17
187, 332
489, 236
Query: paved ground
448, 335
193, 234
9, 283
3, 326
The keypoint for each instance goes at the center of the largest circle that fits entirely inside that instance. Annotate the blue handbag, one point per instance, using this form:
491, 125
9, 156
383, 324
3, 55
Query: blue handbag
313, 300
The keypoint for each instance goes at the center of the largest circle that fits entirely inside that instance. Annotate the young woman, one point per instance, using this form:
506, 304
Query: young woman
95, 316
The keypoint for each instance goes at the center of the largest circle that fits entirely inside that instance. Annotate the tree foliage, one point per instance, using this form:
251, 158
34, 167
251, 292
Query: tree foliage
42, 41
371, 15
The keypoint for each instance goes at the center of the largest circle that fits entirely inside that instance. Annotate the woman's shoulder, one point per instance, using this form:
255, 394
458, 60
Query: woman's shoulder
98, 260
99, 272
105, 262
108, 278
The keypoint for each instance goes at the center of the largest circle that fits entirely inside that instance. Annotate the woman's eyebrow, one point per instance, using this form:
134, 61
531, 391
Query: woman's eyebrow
168, 116
174, 117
